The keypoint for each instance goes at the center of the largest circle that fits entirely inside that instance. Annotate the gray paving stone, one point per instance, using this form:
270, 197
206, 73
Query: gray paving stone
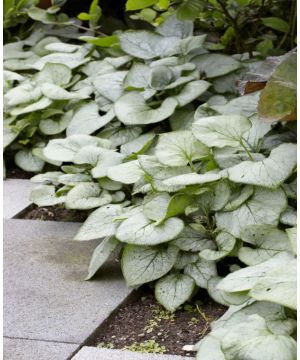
15, 196
45, 296
92, 353
19, 349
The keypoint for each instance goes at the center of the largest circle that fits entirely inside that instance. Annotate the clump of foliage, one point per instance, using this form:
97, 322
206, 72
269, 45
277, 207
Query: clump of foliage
177, 170
39, 100
50, 86
239, 25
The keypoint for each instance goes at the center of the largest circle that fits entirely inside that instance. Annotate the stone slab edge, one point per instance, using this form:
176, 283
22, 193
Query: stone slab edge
92, 353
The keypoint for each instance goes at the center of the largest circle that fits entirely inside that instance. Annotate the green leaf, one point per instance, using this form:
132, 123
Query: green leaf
58, 74
83, 16
38, 152
213, 65
291, 189
264, 47
192, 179
27, 161
141, 231
72, 60
223, 297
132, 5
126, 173
278, 98
95, 13
161, 206
86, 196
225, 243
173, 26
44, 195
270, 172
178, 148
9, 135
278, 286
276, 24
131, 109
292, 235
92, 120
160, 77
155, 206
110, 85
142, 264
191, 91
190, 9
210, 348
254, 337
106, 42
100, 223
244, 105
53, 127
182, 119
191, 239
201, 272
106, 160
101, 254
55, 92
289, 217
38, 14
173, 290
184, 259
238, 198
50, 177
74, 179
148, 45
273, 280
264, 207
39, 105
266, 241
65, 149
138, 146
138, 76
221, 130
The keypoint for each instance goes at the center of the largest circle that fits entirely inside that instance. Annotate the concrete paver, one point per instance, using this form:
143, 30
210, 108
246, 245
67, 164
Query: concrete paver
16, 195
92, 353
20, 349
45, 296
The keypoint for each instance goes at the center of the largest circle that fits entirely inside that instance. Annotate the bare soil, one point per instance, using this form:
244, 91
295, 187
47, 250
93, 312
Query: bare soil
52, 213
143, 319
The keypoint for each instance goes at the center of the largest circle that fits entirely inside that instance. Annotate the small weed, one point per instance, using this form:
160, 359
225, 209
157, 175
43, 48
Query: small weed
159, 314
193, 321
149, 346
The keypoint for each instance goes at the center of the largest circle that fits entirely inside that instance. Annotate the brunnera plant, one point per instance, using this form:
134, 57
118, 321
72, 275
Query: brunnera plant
52, 84
183, 176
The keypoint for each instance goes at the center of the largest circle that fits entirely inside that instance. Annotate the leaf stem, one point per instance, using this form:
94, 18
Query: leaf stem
88, 29
245, 148
192, 165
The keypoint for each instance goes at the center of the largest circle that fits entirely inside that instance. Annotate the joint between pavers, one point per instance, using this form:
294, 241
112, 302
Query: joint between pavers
42, 340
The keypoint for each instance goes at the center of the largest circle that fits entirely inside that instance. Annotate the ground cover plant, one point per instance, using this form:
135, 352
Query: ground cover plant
193, 182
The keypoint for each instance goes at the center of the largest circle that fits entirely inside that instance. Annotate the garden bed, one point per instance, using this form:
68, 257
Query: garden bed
16, 173
142, 324
52, 213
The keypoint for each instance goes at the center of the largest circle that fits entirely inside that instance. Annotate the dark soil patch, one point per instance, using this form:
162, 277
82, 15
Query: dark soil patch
143, 320
16, 173
52, 213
